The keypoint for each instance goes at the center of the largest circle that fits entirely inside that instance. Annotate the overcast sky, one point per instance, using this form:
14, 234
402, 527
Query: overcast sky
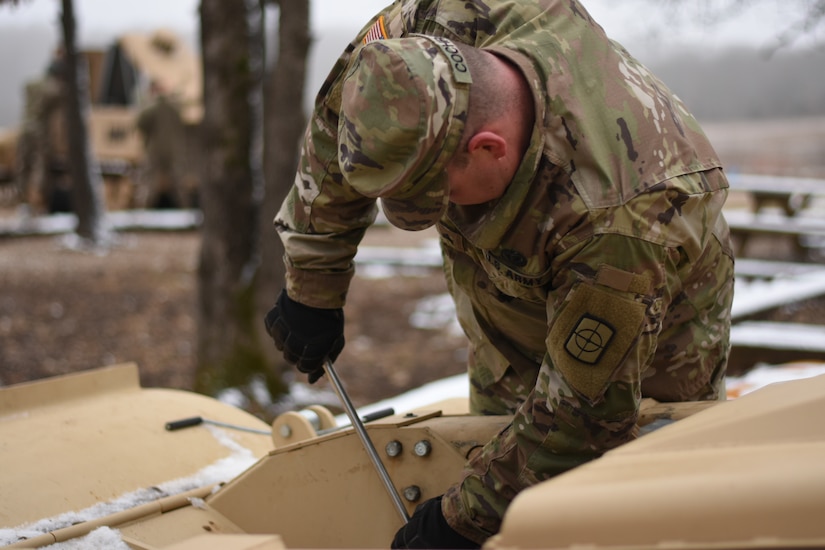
752, 25
638, 24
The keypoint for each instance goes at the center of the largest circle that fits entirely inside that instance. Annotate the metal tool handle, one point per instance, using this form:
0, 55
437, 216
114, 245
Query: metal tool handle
365, 439
198, 420
184, 423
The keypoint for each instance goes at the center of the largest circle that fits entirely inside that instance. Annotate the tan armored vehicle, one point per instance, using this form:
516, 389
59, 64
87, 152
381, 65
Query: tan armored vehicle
93, 455
120, 81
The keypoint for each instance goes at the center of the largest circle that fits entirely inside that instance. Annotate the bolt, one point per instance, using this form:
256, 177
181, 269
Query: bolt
393, 448
286, 431
422, 448
412, 493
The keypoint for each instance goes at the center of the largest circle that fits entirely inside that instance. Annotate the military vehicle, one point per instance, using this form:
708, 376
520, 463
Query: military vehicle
120, 78
92, 456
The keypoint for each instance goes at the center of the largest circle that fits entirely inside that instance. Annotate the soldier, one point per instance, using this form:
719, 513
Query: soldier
38, 172
579, 207
162, 130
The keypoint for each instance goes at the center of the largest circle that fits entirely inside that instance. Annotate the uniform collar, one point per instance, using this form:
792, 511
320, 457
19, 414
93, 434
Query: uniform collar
485, 225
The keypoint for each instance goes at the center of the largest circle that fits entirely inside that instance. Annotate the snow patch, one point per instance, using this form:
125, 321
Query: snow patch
220, 471
102, 538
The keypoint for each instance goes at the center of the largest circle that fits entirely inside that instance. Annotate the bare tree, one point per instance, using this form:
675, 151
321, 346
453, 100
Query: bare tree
241, 268
232, 187
285, 122
87, 183
810, 15
814, 15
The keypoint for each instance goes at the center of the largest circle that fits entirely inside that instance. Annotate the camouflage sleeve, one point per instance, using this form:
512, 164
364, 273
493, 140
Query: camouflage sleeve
323, 219
605, 317
558, 426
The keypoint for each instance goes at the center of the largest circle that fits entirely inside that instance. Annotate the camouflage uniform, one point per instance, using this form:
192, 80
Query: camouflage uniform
161, 127
37, 146
604, 273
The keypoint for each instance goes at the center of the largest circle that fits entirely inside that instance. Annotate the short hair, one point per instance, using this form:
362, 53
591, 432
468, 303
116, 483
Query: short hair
486, 103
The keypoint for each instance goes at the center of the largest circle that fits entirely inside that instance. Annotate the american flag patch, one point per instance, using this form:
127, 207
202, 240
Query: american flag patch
376, 32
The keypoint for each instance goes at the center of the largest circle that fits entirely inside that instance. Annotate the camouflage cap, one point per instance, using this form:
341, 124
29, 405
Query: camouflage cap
403, 107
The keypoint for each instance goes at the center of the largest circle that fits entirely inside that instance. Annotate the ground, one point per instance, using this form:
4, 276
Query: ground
62, 311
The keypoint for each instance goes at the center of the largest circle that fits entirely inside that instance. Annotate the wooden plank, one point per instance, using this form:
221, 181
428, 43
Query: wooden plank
803, 233
776, 185
792, 195
779, 336
752, 298
762, 342
741, 221
772, 269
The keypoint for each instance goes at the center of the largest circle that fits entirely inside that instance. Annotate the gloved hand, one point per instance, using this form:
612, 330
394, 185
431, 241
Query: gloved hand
427, 528
308, 336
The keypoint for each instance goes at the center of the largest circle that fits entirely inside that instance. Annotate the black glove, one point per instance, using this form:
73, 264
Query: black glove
308, 336
427, 528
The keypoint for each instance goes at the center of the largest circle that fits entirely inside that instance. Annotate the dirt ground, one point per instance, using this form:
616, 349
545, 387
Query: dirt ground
62, 311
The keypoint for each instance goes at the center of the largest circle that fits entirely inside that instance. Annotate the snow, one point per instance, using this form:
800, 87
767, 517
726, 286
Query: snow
439, 390
436, 313
119, 220
241, 458
764, 375
222, 470
432, 313
102, 538
755, 296
458, 386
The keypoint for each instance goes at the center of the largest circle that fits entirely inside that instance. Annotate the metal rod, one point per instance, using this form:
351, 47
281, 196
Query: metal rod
369, 417
197, 420
236, 427
365, 439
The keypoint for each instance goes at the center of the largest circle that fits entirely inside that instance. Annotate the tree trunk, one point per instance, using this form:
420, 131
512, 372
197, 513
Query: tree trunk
229, 348
87, 183
285, 122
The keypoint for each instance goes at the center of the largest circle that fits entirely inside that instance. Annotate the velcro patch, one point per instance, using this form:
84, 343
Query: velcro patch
624, 281
592, 335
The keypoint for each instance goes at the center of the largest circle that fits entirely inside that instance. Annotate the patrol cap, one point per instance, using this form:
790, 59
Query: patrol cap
403, 106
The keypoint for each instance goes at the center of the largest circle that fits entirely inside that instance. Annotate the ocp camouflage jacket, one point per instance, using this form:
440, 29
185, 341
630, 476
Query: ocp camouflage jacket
604, 273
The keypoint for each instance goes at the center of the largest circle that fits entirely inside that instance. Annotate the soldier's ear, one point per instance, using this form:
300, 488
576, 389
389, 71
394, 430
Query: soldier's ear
487, 142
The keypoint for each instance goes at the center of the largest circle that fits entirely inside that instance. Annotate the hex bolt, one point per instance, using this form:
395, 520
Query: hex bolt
412, 493
422, 448
393, 448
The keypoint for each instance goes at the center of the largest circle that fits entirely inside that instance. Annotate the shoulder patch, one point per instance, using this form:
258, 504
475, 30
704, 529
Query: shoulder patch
378, 31
592, 336
589, 339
